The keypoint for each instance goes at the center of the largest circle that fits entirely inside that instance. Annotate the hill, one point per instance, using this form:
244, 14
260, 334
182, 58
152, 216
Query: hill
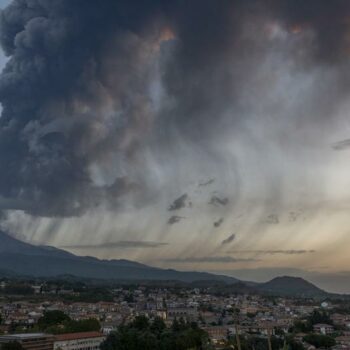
291, 286
18, 258
21, 258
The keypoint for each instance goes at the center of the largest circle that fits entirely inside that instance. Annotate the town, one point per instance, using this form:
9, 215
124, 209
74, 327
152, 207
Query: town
75, 315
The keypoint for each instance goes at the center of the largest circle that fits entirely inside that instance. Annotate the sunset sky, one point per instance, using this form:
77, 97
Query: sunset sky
202, 135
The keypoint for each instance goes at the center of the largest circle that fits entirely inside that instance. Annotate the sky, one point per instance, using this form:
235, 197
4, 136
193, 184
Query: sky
202, 135
3, 59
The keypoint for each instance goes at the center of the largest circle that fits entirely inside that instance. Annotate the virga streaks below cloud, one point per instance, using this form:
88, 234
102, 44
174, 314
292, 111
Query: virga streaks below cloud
120, 244
273, 252
209, 259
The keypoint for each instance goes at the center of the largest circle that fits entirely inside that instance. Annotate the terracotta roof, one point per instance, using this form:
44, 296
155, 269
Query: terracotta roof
82, 335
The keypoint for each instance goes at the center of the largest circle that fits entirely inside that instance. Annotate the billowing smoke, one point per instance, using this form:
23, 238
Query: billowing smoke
112, 109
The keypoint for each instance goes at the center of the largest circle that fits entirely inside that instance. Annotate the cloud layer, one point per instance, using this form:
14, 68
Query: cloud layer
113, 109
120, 244
209, 259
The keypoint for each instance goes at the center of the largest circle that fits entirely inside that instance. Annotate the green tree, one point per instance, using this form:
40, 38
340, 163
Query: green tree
12, 346
319, 340
52, 318
158, 326
88, 325
57, 322
301, 327
319, 317
18, 289
141, 323
142, 334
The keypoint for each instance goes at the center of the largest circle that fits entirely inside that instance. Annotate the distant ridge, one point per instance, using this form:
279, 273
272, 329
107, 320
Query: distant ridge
20, 259
24, 259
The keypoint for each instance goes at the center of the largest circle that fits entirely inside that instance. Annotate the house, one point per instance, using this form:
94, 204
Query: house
341, 320
299, 337
217, 333
343, 340
188, 314
79, 341
323, 328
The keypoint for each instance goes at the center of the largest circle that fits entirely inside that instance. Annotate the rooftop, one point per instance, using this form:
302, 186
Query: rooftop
82, 335
24, 336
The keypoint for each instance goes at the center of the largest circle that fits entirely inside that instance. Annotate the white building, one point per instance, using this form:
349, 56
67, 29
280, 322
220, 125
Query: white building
323, 328
79, 341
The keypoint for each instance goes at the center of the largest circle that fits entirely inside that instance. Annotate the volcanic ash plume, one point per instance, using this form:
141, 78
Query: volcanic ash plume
112, 109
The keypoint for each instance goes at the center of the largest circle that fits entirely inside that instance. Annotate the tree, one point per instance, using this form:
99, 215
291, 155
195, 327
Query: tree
141, 323
319, 340
18, 289
293, 345
88, 325
57, 322
279, 331
145, 335
12, 346
301, 327
319, 317
158, 326
52, 318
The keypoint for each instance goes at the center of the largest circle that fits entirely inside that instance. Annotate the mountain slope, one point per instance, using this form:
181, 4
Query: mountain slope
42, 261
293, 286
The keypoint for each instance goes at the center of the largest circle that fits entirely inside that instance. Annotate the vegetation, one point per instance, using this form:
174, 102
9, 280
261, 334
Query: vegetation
11, 346
52, 318
258, 343
307, 325
319, 317
319, 340
294, 345
146, 335
90, 295
57, 322
18, 289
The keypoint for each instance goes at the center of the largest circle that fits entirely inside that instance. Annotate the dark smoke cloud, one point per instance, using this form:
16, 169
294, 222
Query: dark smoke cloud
76, 89
272, 219
328, 20
174, 219
215, 200
219, 222
229, 239
206, 183
341, 145
294, 215
179, 203
63, 111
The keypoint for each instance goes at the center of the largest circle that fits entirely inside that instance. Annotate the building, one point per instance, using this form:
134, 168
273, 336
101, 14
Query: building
323, 328
188, 314
343, 340
217, 334
30, 341
341, 320
79, 341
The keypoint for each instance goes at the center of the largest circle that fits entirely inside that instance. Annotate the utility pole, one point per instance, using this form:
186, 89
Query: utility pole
269, 337
237, 336
236, 317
